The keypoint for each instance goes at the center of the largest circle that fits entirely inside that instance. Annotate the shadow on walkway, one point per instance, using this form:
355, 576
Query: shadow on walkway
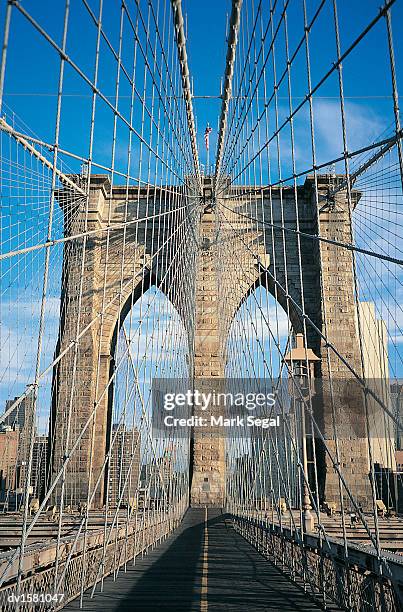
170, 577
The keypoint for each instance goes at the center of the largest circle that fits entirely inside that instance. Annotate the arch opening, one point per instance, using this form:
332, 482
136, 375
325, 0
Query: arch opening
149, 342
262, 461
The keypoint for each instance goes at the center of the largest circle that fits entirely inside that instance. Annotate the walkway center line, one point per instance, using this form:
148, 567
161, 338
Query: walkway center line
203, 591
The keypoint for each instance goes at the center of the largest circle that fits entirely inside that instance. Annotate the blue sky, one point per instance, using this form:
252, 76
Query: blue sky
207, 52
33, 67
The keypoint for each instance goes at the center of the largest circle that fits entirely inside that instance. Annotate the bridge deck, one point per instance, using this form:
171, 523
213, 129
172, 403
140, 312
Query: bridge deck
190, 571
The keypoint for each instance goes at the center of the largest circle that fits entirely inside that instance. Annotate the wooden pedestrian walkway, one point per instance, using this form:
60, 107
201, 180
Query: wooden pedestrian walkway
204, 565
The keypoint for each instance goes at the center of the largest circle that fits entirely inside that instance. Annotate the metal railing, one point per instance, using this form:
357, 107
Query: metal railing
354, 583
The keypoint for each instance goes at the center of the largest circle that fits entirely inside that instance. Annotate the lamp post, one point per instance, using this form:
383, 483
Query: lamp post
301, 363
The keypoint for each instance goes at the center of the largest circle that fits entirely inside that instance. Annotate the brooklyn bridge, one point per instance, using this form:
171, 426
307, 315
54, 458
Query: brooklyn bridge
201, 367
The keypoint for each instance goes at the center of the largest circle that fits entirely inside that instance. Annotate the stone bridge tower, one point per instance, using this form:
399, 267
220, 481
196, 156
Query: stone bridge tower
208, 455
118, 262
321, 271
314, 278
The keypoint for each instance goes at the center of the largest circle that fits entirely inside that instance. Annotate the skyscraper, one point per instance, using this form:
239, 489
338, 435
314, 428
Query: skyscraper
8, 461
21, 421
124, 465
38, 472
396, 396
20, 415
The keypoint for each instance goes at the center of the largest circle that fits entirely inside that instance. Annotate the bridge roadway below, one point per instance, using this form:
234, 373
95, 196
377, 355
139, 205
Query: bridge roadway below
204, 565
